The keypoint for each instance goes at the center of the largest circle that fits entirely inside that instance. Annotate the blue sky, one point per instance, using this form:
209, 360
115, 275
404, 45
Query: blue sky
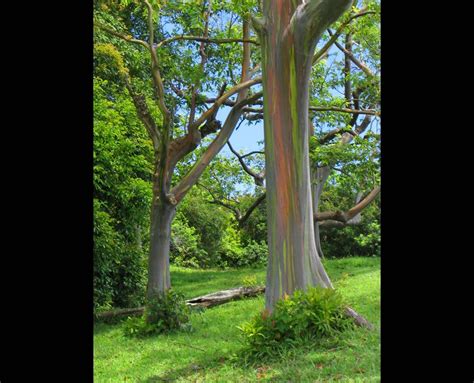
245, 138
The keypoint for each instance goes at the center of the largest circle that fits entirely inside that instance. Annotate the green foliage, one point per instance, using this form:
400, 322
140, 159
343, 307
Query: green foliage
119, 266
185, 248
314, 314
108, 59
105, 238
231, 253
249, 281
122, 197
370, 239
164, 313
255, 253
362, 239
255, 228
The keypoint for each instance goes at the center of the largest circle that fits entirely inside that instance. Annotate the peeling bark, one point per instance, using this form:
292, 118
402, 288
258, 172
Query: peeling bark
289, 33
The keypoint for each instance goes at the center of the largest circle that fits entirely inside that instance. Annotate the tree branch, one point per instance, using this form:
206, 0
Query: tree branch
151, 35
180, 190
190, 179
225, 96
205, 40
231, 103
249, 154
220, 203
319, 54
344, 110
371, 112
203, 55
361, 66
250, 210
344, 217
331, 134
312, 17
144, 114
258, 178
121, 35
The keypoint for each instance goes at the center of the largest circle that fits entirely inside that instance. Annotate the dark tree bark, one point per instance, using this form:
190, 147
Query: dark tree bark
289, 33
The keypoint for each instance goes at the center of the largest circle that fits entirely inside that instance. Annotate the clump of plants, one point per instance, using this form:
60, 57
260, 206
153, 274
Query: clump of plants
249, 281
164, 313
305, 316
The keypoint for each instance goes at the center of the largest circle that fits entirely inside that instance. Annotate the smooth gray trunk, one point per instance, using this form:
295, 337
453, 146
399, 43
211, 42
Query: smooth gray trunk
159, 260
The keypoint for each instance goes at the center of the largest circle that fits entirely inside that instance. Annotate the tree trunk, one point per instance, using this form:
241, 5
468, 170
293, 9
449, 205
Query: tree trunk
289, 34
160, 235
319, 178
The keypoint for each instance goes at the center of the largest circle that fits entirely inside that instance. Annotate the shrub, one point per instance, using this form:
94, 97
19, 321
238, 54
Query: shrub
231, 253
249, 281
185, 240
256, 253
164, 313
310, 315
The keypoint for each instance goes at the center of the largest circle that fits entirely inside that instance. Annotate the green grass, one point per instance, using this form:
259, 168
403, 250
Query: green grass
206, 354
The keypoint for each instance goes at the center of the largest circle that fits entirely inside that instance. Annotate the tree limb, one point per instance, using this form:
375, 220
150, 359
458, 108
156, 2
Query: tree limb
250, 210
258, 178
190, 179
371, 112
225, 96
249, 154
203, 55
144, 115
344, 217
312, 17
205, 40
361, 66
344, 110
180, 190
121, 35
319, 54
151, 36
217, 201
331, 134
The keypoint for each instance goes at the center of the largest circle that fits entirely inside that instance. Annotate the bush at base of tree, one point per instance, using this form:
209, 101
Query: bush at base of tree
165, 313
311, 315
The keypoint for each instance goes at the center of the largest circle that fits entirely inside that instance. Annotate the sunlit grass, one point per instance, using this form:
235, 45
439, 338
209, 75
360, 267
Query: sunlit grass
206, 354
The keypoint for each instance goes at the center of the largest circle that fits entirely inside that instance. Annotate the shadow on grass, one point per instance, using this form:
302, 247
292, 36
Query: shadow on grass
336, 274
103, 328
172, 375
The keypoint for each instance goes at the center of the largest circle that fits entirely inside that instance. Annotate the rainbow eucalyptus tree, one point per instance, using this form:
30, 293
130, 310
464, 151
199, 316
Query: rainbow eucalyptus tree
289, 31
174, 143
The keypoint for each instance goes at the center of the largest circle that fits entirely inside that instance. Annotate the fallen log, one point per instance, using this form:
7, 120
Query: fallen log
204, 301
224, 296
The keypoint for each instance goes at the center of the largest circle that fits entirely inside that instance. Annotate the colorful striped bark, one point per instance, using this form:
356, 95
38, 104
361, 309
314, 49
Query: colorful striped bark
289, 32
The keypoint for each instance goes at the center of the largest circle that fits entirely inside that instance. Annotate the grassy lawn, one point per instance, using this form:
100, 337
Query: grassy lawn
205, 355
